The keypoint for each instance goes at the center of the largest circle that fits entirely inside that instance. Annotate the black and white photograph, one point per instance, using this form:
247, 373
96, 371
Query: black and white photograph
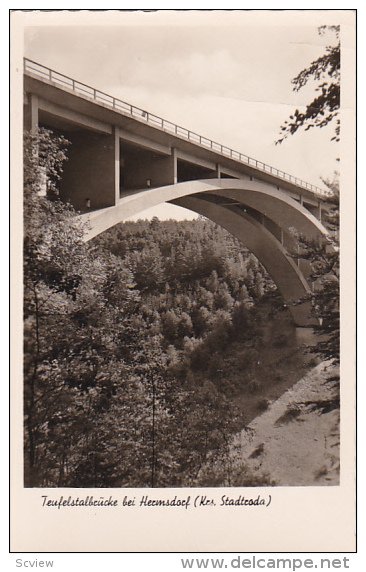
182, 182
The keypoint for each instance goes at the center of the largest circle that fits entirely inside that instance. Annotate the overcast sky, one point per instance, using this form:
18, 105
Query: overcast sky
225, 75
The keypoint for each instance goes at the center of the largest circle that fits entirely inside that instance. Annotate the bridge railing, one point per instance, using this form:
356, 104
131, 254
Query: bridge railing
33, 68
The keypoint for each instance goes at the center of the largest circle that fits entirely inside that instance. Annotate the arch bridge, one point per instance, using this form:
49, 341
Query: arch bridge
124, 160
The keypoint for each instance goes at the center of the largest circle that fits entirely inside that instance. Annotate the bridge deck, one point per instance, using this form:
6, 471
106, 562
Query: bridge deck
170, 131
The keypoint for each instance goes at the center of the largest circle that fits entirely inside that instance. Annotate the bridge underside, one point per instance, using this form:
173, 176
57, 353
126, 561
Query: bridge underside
261, 217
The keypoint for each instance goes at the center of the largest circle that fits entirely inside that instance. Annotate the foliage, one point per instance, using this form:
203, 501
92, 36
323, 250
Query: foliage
80, 333
323, 256
324, 259
324, 108
112, 329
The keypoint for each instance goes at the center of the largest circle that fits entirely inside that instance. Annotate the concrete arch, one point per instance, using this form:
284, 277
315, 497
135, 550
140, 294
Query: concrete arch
261, 242
200, 196
276, 204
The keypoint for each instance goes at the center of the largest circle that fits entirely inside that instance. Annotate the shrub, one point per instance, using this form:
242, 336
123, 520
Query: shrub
292, 412
263, 404
258, 451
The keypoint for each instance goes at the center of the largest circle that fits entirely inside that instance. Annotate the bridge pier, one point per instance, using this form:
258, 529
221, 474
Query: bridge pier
31, 108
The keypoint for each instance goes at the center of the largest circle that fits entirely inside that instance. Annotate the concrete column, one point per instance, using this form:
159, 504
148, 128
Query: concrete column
320, 211
34, 112
218, 170
31, 112
175, 165
117, 165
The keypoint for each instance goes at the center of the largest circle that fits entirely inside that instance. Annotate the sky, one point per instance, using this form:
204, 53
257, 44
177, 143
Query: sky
223, 74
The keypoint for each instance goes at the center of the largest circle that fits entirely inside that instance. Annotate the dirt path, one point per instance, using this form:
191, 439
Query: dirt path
295, 447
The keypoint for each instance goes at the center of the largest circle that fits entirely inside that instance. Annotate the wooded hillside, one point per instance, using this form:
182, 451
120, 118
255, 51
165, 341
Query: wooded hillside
146, 349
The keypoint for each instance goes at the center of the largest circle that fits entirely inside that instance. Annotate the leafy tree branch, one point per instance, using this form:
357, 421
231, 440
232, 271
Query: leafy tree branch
324, 108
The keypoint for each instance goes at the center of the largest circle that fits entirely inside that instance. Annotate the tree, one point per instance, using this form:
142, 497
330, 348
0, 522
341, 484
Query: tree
324, 108
50, 280
324, 255
107, 401
82, 333
146, 267
324, 260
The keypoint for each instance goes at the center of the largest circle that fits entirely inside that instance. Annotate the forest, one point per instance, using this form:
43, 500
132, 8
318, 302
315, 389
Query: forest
146, 349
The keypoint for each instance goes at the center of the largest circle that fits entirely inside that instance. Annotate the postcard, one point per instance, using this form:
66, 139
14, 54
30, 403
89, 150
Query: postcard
183, 289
